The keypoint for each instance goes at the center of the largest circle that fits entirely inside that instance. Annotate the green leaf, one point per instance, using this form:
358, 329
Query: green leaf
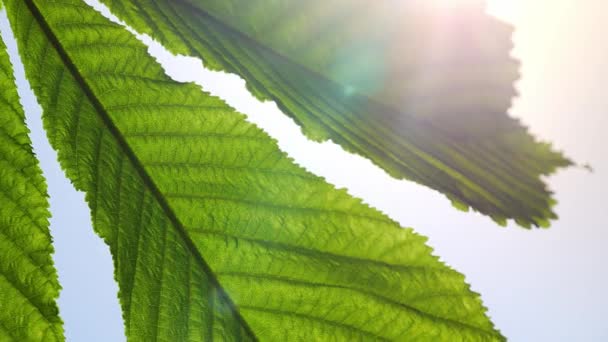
28, 280
215, 232
419, 89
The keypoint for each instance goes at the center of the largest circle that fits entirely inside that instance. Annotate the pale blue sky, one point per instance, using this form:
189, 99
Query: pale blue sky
542, 285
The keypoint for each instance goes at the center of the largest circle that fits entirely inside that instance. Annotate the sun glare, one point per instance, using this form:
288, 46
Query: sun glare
454, 3
504, 9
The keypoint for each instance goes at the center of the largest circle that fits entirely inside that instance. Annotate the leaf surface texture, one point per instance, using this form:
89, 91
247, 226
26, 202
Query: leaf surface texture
215, 233
28, 279
420, 89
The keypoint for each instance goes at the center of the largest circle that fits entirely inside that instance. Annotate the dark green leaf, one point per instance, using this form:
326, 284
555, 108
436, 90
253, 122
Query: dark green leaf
419, 88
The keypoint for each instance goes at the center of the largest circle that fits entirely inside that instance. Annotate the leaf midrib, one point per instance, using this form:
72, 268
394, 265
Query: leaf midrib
136, 163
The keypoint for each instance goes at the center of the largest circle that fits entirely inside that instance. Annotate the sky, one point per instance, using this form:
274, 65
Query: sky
540, 285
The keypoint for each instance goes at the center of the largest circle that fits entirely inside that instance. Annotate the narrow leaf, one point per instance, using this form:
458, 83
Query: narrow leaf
28, 280
215, 232
419, 88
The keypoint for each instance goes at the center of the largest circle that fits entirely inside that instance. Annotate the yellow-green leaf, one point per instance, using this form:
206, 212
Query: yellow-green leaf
215, 233
28, 280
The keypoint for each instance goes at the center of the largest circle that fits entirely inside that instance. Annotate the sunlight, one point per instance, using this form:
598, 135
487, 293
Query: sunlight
503, 9
454, 3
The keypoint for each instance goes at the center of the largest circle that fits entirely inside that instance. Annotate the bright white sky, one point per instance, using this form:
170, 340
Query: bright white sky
543, 285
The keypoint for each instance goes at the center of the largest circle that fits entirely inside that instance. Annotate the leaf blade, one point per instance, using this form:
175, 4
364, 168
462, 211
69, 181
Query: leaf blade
268, 229
293, 53
28, 280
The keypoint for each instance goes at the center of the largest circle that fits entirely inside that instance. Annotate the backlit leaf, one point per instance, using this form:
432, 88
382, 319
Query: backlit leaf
215, 232
28, 280
421, 87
